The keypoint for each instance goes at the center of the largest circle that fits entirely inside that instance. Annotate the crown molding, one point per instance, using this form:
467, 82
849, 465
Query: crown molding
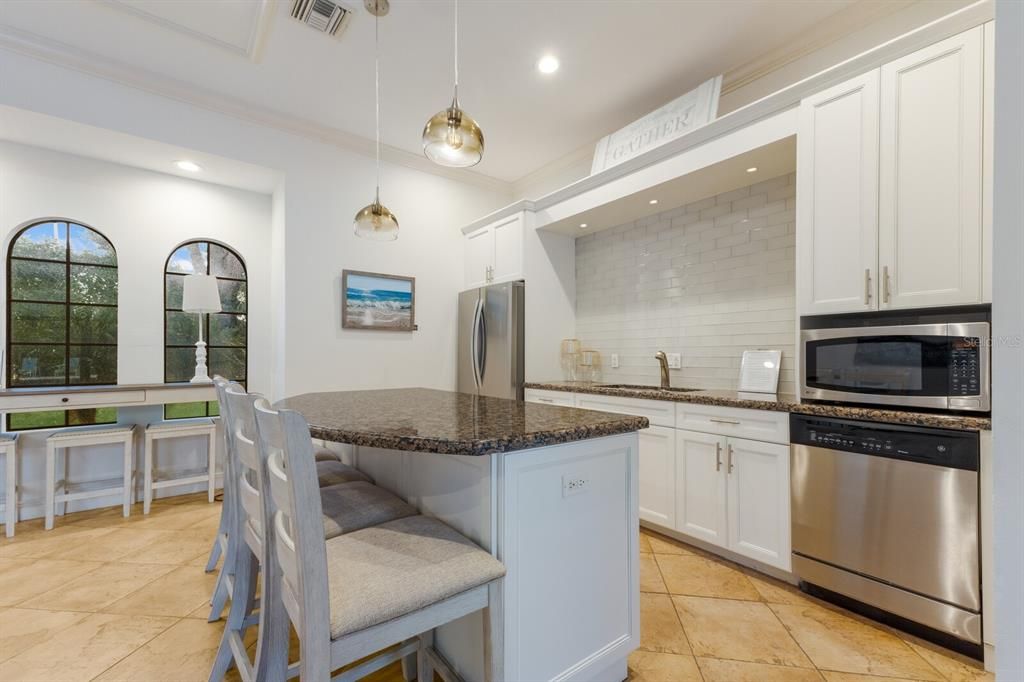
69, 57
821, 35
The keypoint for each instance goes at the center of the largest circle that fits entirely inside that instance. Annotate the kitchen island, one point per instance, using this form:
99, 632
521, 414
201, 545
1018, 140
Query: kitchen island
550, 491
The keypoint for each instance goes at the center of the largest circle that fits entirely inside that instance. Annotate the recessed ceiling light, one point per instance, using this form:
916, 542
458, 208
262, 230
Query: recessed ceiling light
190, 166
547, 64
582, 225
652, 202
752, 169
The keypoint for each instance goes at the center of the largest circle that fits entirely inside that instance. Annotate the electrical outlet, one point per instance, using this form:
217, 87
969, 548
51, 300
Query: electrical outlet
615, 360
675, 360
574, 485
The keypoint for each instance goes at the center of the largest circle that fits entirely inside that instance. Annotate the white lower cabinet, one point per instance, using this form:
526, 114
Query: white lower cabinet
657, 475
758, 500
700, 486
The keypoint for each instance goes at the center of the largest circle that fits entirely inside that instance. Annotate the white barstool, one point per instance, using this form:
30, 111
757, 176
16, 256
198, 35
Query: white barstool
179, 429
9, 449
81, 437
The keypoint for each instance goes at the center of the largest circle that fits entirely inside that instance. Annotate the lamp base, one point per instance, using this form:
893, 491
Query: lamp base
201, 376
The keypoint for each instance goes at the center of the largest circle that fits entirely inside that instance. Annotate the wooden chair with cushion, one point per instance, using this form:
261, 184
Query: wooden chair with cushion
345, 507
349, 596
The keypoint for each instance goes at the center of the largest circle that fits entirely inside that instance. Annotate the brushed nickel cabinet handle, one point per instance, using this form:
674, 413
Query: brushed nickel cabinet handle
729, 458
718, 456
867, 286
885, 284
545, 400
722, 421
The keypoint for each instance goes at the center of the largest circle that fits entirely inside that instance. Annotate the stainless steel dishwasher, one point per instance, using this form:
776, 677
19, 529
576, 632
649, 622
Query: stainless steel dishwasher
887, 515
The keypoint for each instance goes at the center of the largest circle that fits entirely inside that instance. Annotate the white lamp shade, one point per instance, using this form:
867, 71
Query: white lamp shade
200, 294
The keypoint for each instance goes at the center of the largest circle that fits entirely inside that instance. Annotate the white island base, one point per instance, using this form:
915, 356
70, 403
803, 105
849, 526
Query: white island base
564, 521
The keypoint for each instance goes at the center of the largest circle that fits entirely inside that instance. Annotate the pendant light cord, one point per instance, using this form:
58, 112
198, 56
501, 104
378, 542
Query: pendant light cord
376, 90
456, 50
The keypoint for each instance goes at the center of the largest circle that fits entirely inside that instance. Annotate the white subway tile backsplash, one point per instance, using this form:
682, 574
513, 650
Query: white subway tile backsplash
709, 280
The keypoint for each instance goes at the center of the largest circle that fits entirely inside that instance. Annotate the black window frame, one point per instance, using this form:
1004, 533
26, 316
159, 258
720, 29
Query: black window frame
67, 303
206, 317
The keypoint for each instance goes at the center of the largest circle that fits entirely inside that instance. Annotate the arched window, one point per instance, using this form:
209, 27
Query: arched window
226, 333
61, 316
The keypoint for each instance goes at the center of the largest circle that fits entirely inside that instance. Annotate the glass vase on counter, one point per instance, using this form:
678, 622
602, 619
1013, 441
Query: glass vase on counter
588, 366
570, 357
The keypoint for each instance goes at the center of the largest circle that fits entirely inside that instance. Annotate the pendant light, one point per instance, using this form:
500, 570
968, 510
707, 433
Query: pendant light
451, 137
375, 221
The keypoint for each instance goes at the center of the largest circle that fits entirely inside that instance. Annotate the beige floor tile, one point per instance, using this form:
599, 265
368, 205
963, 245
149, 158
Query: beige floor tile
22, 579
649, 666
840, 643
661, 545
21, 629
833, 676
775, 591
64, 541
718, 670
172, 547
99, 588
700, 577
737, 630
179, 592
650, 575
84, 650
645, 543
170, 517
953, 667
660, 629
185, 651
114, 545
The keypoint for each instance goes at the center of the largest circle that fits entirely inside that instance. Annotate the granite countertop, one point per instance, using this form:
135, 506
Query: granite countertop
782, 402
427, 420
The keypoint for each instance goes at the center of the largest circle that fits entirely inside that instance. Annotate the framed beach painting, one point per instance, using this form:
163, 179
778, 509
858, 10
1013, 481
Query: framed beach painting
370, 300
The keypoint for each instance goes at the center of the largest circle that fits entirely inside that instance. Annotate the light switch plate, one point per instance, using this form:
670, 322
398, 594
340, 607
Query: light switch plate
615, 360
675, 360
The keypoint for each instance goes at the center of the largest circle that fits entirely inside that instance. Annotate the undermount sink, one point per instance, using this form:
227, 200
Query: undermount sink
641, 387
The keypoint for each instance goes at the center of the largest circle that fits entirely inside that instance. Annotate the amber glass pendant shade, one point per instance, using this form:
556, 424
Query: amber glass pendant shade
376, 222
452, 138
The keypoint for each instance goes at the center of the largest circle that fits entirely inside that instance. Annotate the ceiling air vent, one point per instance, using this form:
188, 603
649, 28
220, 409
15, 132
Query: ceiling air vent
323, 15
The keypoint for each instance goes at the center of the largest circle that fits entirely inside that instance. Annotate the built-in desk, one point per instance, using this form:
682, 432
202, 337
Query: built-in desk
33, 399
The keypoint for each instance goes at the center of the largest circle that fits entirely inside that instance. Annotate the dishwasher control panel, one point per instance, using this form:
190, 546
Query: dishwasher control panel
925, 445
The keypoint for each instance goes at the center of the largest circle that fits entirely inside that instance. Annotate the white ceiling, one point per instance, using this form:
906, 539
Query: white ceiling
619, 60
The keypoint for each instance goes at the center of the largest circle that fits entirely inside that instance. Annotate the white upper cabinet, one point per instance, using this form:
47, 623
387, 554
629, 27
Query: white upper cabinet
494, 253
891, 185
758, 494
837, 197
657, 479
930, 182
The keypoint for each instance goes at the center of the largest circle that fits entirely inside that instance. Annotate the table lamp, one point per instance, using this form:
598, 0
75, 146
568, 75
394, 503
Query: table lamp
200, 295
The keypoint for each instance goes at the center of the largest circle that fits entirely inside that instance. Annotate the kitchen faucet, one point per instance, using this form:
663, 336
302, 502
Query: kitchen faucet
663, 359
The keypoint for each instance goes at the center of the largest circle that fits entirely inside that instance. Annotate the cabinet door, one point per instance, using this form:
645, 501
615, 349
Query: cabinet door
479, 256
930, 177
837, 198
508, 249
758, 493
700, 486
657, 475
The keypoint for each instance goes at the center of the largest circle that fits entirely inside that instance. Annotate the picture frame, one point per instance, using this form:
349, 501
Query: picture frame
376, 301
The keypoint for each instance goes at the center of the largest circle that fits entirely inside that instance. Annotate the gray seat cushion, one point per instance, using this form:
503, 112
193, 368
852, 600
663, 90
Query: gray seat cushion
325, 454
349, 507
334, 472
387, 571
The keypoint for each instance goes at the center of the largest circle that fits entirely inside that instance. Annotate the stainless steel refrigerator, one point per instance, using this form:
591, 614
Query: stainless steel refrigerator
491, 342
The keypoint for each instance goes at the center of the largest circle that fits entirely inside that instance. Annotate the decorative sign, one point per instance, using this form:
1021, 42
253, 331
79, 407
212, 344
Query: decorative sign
373, 301
759, 371
675, 119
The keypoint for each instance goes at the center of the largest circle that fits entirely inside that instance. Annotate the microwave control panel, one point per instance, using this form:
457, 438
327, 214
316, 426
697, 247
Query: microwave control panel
965, 366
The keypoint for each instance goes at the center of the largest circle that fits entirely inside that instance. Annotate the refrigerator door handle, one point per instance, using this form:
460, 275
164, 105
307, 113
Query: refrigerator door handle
482, 343
474, 337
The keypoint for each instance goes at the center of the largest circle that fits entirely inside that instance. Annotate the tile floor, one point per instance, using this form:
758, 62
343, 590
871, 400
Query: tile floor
106, 598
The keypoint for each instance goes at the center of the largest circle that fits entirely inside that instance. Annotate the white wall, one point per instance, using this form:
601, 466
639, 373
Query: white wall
323, 188
1008, 351
145, 215
709, 280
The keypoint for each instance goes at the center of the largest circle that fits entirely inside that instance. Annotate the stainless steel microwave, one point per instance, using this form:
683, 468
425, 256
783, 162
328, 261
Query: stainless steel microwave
933, 360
